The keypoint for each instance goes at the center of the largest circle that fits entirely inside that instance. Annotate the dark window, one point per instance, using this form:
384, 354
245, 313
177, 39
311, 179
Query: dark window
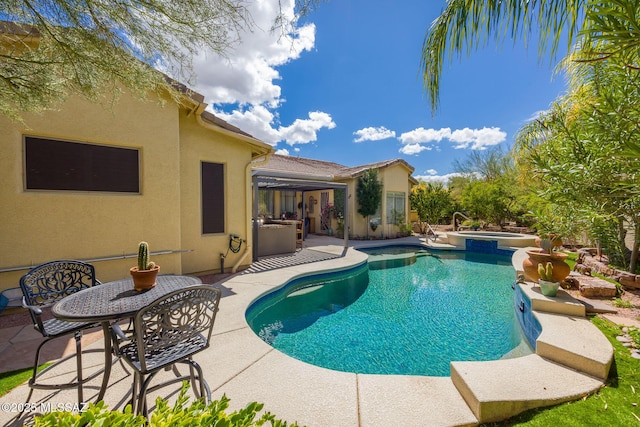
212, 198
62, 165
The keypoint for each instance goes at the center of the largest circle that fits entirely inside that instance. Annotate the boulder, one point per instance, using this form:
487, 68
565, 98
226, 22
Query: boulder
629, 280
587, 259
595, 287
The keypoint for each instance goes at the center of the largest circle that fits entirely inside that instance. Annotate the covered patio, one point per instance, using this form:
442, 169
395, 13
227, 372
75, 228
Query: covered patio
273, 180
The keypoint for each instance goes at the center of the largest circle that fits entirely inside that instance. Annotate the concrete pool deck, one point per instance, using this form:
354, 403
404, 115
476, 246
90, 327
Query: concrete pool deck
246, 369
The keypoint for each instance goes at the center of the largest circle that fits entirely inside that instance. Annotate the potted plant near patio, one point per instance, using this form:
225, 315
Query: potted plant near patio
144, 274
542, 256
548, 285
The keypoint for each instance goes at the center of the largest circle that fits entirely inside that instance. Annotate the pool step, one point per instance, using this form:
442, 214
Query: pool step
562, 303
567, 336
572, 359
574, 342
500, 389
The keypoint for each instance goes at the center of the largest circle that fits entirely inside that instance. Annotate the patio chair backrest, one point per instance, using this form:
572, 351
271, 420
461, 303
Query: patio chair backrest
48, 283
182, 319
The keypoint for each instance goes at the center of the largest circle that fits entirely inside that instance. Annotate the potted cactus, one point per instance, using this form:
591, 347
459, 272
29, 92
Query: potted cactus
144, 274
548, 286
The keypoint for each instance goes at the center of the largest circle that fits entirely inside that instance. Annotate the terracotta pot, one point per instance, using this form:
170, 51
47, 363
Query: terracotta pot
530, 265
144, 279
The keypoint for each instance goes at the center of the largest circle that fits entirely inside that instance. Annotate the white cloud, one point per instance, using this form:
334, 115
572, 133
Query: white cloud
432, 172
248, 74
477, 139
373, 134
422, 135
282, 152
259, 121
411, 149
255, 120
303, 131
535, 116
474, 139
246, 82
435, 178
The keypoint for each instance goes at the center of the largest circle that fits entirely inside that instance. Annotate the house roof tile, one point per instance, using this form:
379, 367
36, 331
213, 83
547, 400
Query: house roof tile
212, 118
323, 169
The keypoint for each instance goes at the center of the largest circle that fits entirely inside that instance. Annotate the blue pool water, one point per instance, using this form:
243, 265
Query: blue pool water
413, 319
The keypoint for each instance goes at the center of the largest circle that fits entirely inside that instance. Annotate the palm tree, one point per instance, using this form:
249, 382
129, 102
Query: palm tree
604, 29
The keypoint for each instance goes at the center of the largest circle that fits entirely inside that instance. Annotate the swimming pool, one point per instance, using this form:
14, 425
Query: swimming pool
413, 319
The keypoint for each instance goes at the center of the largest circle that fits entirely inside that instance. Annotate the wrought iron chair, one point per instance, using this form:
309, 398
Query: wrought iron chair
299, 234
169, 331
43, 286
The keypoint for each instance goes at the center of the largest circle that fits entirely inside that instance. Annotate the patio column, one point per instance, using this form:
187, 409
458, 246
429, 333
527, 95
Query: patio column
256, 202
346, 217
304, 218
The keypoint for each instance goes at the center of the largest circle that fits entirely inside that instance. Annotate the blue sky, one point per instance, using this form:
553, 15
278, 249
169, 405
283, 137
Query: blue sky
345, 85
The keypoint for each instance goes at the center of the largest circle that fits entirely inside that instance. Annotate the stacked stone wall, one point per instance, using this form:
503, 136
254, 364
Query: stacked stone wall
626, 279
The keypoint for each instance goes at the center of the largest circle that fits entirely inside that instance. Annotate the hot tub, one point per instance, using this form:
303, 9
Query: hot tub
488, 241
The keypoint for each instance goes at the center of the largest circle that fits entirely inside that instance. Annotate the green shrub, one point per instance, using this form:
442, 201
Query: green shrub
180, 414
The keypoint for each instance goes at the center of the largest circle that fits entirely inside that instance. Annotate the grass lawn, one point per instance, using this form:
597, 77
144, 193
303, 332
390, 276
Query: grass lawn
10, 380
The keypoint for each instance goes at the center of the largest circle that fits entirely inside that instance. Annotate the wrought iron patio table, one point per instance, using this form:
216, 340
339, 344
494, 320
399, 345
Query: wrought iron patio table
113, 301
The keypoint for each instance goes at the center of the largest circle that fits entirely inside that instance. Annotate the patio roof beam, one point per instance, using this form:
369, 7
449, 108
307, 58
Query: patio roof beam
270, 182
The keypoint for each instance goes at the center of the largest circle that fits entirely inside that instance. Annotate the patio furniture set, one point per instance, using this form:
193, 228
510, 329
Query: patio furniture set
168, 324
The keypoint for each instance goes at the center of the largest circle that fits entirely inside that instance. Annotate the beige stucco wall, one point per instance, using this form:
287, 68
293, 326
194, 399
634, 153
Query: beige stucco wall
39, 226
394, 178
200, 144
356, 221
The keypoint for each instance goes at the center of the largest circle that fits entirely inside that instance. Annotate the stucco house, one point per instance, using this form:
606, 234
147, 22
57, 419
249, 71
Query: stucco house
308, 186
90, 182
